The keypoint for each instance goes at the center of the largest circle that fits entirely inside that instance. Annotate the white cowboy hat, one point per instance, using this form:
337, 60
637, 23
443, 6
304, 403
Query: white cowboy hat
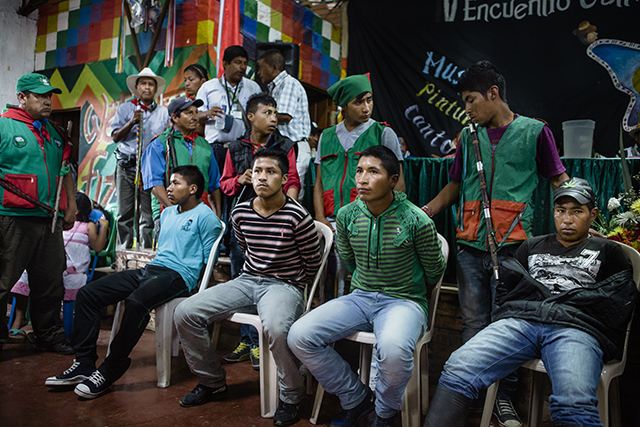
132, 79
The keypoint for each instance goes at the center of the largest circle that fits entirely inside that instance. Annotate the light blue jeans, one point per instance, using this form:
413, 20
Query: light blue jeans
572, 358
278, 304
397, 323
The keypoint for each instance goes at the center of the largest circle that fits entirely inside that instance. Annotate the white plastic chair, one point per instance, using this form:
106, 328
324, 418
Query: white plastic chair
416, 396
268, 368
609, 376
167, 344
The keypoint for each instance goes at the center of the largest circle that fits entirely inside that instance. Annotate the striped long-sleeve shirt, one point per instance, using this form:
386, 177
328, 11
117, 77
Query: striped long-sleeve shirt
284, 245
397, 253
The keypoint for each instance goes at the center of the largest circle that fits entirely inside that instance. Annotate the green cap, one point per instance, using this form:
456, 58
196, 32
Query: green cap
36, 83
347, 89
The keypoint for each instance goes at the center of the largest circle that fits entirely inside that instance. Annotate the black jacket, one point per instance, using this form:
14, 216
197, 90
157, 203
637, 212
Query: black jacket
602, 310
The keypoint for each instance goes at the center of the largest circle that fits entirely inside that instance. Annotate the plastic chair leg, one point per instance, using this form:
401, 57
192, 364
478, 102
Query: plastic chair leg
115, 327
317, 403
489, 401
165, 332
536, 399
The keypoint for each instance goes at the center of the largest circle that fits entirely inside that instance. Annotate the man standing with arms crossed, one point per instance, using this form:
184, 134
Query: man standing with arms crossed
514, 149
141, 111
33, 154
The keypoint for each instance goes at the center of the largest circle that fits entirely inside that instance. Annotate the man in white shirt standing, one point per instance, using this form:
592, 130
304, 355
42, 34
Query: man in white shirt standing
224, 100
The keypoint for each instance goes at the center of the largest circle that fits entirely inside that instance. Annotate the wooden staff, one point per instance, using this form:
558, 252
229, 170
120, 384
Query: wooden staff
137, 181
59, 185
486, 203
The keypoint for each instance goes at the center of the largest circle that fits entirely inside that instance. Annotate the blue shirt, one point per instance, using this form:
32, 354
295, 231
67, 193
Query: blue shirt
186, 241
153, 123
154, 164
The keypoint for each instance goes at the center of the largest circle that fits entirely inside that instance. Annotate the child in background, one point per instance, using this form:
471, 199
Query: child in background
83, 236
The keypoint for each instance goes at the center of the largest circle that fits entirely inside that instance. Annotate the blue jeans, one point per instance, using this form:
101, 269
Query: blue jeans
278, 304
397, 323
572, 358
477, 291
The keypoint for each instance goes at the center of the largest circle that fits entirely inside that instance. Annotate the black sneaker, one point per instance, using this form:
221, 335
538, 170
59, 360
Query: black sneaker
506, 414
254, 354
286, 414
61, 347
203, 394
94, 386
378, 421
351, 417
77, 373
240, 354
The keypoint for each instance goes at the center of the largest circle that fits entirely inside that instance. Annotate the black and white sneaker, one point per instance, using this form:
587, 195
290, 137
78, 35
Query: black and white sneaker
93, 386
77, 373
506, 413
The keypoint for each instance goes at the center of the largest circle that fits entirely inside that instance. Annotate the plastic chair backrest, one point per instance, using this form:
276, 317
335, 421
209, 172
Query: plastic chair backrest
435, 292
634, 256
325, 232
213, 259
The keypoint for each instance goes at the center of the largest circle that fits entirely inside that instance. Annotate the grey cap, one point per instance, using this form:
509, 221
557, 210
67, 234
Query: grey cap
577, 188
182, 103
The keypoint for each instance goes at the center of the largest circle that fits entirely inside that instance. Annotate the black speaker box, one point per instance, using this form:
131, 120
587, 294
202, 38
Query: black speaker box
291, 53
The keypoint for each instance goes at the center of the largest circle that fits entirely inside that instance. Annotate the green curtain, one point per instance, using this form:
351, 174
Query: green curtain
425, 177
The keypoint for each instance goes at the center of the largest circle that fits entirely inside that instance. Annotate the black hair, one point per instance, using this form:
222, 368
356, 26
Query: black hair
199, 70
232, 52
275, 154
359, 97
155, 82
84, 207
193, 176
260, 99
273, 57
479, 77
387, 157
315, 131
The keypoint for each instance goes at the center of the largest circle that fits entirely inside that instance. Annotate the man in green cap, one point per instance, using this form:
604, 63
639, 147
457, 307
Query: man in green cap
339, 149
33, 155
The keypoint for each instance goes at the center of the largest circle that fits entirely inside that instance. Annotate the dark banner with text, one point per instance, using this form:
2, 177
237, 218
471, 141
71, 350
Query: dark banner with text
562, 60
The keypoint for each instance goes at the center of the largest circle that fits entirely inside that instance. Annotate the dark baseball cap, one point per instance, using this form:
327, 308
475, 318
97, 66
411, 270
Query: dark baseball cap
36, 83
182, 103
576, 188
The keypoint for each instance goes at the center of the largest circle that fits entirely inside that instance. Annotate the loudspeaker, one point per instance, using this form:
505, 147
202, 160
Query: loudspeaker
291, 53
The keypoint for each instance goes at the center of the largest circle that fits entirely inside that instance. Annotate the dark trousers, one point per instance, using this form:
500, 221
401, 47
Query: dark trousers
142, 290
27, 243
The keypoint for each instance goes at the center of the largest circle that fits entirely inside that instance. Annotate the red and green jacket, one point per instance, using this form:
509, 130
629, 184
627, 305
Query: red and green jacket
31, 159
338, 167
512, 176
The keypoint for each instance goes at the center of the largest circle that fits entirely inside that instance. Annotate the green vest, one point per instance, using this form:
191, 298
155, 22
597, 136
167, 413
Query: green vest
512, 167
338, 167
29, 166
201, 158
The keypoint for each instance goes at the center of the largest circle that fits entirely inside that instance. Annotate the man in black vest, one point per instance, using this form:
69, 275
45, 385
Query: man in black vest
236, 182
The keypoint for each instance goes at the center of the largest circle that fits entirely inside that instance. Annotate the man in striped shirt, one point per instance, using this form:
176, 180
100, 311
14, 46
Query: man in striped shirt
392, 248
282, 254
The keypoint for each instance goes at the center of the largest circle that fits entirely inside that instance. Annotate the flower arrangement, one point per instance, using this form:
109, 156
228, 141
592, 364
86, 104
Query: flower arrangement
624, 223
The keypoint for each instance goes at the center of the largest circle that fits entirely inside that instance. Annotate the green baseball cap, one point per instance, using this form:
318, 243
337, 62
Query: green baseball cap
36, 83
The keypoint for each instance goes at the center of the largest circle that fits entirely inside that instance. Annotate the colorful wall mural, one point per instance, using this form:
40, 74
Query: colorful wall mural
77, 46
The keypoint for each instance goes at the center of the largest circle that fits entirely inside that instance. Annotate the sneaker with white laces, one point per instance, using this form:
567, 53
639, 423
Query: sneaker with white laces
97, 384
254, 354
240, 354
77, 373
506, 413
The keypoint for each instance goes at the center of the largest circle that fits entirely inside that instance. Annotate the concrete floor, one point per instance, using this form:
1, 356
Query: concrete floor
135, 399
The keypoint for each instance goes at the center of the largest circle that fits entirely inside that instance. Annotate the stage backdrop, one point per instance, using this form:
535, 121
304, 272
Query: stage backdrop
562, 60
